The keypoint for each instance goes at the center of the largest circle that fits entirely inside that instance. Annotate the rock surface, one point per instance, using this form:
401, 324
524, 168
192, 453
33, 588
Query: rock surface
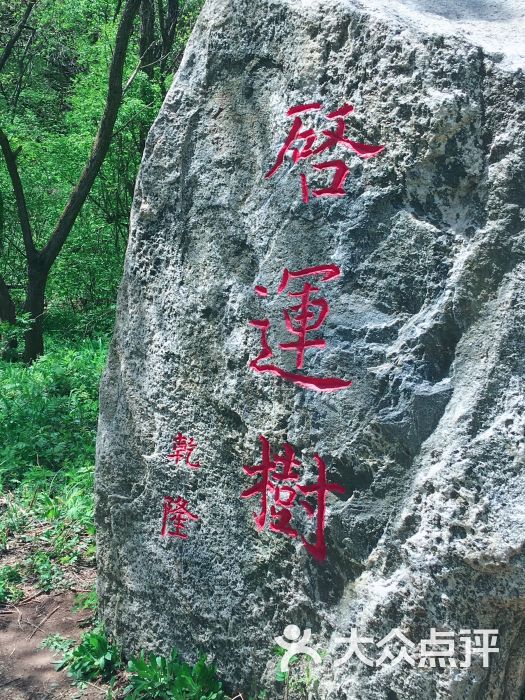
427, 320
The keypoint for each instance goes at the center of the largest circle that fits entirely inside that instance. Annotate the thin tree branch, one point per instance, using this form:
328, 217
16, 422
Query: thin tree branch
18, 189
102, 139
20, 28
38, 628
141, 67
130, 121
117, 10
22, 72
14, 244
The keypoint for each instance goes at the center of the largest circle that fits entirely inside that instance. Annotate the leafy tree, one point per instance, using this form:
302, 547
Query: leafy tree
53, 88
40, 260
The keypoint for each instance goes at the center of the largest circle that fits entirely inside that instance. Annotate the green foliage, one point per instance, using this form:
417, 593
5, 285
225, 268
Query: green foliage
53, 93
163, 678
300, 679
48, 574
58, 643
48, 415
95, 657
9, 591
86, 601
282, 676
48, 418
12, 336
12, 520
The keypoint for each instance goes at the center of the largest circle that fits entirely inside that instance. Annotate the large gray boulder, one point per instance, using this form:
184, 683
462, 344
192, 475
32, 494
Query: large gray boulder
426, 319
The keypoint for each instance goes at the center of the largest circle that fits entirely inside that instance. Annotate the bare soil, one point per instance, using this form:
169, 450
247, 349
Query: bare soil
26, 670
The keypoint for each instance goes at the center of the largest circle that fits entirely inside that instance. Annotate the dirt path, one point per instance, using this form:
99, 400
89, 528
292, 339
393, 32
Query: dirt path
26, 670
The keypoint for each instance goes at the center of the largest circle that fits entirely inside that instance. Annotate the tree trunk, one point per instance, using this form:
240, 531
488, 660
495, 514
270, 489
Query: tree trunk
35, 304
39, 263
12, 41
147, 37
7, 307
7, 314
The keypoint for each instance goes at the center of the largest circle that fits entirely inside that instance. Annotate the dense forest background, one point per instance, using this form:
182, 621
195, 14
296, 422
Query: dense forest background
73, 73
54, 86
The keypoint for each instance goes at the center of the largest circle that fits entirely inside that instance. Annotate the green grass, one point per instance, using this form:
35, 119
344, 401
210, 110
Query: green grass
48, 419
48, 414
86, 601
57, 643
10, 576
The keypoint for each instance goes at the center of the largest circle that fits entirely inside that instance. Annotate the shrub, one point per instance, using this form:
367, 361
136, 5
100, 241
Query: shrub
48, 412
95, 657
158, 677
9, 591
48, 574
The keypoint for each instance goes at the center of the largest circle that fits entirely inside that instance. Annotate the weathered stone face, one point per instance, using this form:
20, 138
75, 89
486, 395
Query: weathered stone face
426, 319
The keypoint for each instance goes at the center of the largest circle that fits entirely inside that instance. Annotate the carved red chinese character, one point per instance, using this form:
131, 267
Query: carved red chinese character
182, 449
268, 468
300, 142
320, 489
281, 497
301, 319
175, 517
